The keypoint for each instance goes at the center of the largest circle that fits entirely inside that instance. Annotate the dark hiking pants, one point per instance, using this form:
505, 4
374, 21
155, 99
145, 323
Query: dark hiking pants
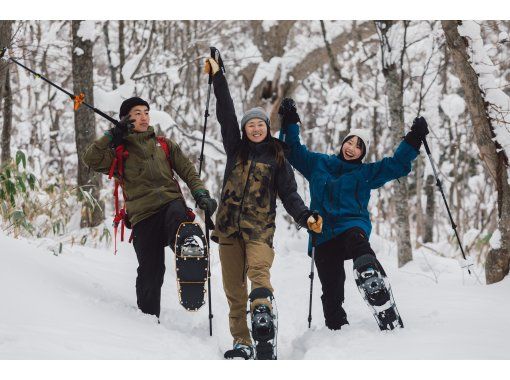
150, 236
329, 260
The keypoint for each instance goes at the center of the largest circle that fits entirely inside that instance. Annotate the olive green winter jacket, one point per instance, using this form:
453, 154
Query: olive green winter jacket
148, 180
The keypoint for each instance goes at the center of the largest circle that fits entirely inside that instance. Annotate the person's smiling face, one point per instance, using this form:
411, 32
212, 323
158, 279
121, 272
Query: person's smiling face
256, 130
352, 149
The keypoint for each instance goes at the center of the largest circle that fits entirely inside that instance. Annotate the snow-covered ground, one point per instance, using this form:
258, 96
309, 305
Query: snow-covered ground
81, 304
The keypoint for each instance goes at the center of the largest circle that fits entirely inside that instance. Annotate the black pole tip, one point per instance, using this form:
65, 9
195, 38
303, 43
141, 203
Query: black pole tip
4, 49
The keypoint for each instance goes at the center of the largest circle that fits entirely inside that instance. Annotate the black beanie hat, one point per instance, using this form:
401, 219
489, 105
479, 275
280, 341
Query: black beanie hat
130, 103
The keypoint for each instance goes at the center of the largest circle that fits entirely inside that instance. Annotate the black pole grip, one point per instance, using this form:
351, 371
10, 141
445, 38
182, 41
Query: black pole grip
210, 75
215, 54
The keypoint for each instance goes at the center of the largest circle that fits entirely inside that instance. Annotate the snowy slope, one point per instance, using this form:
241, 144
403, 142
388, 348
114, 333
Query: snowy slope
82, 305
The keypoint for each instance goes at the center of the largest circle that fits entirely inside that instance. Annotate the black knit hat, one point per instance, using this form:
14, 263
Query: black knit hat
128, 104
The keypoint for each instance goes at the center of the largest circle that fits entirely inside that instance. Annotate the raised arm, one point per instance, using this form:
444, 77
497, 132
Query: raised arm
225, 111
390, 168
399, 165
99, 155
299, 157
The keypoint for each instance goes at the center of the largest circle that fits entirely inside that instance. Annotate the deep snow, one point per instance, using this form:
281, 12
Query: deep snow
81, 304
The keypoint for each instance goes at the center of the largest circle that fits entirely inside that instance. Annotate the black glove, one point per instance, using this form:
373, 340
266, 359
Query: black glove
205, 202
288, 113
420, 127
418, 131
120, 131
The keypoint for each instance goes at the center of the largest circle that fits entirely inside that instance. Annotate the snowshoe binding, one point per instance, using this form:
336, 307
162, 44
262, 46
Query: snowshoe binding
191, 264
376, 291
264, 325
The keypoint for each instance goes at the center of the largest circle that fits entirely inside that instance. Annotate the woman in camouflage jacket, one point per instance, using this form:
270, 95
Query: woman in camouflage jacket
256, 172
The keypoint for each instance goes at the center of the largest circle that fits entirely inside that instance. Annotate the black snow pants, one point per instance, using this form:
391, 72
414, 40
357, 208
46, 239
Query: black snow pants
329, 260
150, 236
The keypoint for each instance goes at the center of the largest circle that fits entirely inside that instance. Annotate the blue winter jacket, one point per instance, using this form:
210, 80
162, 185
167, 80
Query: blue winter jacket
339, 190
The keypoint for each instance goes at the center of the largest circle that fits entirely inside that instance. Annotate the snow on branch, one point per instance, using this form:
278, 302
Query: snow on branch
499, 102
87, 30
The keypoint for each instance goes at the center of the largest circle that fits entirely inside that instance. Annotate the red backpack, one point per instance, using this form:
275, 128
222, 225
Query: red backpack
121, 154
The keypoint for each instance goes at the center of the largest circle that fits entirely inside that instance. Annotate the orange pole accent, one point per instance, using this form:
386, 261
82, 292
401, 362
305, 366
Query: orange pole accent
78, 100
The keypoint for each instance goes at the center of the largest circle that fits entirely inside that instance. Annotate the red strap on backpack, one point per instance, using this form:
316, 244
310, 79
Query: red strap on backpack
120, 213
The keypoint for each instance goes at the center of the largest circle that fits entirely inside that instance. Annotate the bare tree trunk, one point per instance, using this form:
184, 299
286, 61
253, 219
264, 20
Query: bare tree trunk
113, 70
7, 116
429, 209
122, 52
420, 218
5, 93
332, 58
498, 260
393, 73
84, 123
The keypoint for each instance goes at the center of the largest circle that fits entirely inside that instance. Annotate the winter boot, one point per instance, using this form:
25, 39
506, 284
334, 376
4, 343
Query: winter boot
240, 351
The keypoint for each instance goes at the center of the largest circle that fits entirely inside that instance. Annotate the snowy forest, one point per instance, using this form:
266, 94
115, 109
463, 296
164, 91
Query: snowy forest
376, 75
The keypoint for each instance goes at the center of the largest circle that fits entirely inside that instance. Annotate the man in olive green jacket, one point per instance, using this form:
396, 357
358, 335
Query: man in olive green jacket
154, 202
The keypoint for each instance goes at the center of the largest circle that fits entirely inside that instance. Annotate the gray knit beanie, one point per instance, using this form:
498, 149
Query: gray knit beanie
255, 113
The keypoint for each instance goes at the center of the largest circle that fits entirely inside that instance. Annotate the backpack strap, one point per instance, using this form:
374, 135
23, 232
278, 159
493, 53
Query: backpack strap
117, 167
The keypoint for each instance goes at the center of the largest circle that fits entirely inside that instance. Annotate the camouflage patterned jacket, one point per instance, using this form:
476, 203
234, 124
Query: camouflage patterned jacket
247, 207
148, 180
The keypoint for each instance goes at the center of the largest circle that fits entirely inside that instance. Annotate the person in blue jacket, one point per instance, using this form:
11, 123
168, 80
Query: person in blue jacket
340, 186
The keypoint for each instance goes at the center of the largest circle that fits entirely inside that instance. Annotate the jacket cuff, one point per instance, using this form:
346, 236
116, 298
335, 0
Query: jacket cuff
199, 193
303, 218
218, 77
412, 139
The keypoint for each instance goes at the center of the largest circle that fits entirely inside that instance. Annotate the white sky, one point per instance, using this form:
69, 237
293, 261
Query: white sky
258, 9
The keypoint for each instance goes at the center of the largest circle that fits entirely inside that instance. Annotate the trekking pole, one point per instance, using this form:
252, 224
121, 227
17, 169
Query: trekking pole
77, 99
311, 276
215, 54
439, 185
209, 224
209, 275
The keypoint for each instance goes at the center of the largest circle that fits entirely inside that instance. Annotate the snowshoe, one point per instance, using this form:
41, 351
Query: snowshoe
376, 291
191, 264
264, 327
240, 351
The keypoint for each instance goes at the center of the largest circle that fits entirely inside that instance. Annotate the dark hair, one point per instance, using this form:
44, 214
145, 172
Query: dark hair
275, 147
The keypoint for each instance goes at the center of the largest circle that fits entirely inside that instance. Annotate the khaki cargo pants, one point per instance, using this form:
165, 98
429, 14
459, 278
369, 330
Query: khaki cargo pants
241, 259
